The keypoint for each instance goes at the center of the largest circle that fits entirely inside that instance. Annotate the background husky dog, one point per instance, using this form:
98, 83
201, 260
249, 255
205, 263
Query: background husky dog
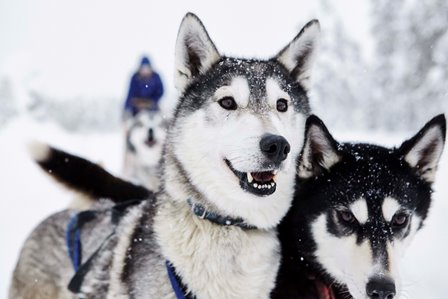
145, 135
356, 209
228, 177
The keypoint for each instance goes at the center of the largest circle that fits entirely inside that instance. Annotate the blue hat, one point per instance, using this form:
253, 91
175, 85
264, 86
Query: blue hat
145, 61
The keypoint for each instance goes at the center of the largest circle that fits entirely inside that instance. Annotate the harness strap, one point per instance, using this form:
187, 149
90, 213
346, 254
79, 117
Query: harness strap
200, 211
74, 245
73, 236
72, 239
178, 288
76, 282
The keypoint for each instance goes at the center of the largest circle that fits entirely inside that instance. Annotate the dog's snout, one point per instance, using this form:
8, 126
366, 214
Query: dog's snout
275, 147
150, 134
381, 288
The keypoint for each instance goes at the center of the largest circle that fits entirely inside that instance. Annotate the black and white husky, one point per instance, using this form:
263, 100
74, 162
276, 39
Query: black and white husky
145, 135
355, 211
228, 175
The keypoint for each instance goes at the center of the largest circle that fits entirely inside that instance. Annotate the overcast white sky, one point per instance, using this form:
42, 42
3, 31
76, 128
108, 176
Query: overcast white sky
70, 49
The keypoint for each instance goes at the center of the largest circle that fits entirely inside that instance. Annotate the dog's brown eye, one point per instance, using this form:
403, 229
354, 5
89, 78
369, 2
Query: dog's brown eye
399, 220
346, 216
228, 103
282, 105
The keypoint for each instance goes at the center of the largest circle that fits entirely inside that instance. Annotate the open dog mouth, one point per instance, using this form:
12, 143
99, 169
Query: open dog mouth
259, 183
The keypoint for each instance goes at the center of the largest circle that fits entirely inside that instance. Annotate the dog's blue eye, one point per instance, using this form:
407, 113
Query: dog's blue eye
399, 220
282, 105
228, 103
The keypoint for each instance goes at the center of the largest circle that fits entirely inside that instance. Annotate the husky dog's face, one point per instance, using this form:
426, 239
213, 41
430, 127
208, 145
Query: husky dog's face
237, 127
358, 206
145, 135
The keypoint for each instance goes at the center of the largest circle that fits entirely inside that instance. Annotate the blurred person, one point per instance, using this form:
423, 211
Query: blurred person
145, 90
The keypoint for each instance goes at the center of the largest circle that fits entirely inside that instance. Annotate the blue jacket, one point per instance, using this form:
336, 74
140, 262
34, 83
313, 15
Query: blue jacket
144, 88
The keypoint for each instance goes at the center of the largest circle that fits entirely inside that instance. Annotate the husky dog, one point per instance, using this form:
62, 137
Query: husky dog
355, 211
228, 175
145, 135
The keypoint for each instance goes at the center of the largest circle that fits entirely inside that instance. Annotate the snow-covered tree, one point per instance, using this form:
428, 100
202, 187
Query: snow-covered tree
77, 114
8, 108
410, 61
341, 84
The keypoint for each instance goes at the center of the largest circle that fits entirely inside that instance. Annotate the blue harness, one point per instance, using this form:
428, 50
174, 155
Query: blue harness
74, 248
73, 241
177, 286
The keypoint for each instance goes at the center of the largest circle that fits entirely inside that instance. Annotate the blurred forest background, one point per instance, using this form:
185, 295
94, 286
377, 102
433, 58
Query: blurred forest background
404, 80
391, 76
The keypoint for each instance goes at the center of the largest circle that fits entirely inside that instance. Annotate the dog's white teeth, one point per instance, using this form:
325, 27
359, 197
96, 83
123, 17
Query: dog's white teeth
249, 178
274, 178
274, 172
264, 186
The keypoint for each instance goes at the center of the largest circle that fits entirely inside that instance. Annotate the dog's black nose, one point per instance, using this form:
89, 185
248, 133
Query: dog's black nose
381, 288
275, 147
150, 135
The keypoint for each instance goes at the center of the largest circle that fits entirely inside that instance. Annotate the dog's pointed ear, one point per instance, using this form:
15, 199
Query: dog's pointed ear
422, 152
320, 150
195, 52
298, 56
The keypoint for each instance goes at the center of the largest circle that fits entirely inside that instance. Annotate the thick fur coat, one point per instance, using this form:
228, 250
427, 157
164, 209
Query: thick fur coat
232, 148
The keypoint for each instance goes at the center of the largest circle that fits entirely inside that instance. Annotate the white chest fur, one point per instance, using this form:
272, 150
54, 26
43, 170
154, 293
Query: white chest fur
216, 261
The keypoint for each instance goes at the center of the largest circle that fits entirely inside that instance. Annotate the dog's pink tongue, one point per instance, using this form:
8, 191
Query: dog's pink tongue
262, 177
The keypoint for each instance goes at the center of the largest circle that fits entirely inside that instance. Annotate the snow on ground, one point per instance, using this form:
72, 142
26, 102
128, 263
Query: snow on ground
28, 196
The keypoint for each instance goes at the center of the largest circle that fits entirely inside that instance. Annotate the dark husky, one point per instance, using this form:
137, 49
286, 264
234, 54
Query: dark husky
228, 175
355, 211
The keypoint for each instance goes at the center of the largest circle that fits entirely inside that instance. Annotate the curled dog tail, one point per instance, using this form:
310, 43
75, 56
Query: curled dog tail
83, 176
